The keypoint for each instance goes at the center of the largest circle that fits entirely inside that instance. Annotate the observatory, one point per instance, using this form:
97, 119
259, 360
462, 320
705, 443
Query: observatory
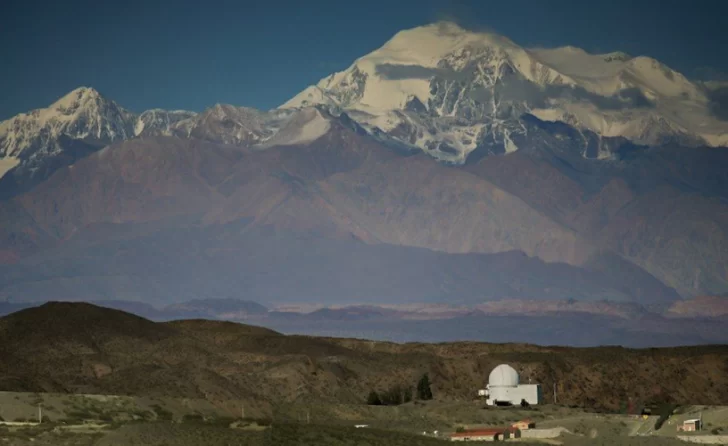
504, 388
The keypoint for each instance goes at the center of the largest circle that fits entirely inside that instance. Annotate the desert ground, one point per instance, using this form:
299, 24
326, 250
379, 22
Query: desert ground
105, 420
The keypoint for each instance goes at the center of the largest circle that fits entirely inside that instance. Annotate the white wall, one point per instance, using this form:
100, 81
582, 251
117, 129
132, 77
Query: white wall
528, 392
704, 439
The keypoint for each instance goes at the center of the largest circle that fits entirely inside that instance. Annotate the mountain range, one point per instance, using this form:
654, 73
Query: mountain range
446, 166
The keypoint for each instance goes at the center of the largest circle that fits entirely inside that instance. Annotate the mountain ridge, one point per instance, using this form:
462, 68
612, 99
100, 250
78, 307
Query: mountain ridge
451, 160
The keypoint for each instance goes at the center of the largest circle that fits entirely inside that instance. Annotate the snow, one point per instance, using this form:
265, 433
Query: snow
304, 127
661, 102
576, 62
312, 95
162, 121
312, 130
82, 113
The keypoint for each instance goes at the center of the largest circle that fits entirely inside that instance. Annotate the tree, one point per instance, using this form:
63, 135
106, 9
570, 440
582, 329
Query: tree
373, 399
424, 392
407, 394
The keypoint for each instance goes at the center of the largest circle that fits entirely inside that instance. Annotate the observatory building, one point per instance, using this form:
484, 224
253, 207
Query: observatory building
504, 388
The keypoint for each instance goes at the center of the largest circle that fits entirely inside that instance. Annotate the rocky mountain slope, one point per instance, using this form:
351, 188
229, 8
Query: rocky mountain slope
81, 348
33, 145
454, 152
342, 206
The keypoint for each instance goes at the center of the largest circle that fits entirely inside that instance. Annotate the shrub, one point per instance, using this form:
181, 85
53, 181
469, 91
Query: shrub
373, 399
193, 417
162, 413
665, 411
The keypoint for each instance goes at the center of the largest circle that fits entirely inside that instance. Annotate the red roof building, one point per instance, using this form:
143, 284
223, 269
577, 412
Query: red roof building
491, 434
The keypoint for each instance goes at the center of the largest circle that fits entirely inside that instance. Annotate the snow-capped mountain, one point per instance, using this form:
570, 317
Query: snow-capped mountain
35, 144
160, 122
82, 114
455, 94
248, 127
450, 91
228, 124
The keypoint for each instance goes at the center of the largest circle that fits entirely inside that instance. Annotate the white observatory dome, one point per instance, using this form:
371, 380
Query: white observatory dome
503, 376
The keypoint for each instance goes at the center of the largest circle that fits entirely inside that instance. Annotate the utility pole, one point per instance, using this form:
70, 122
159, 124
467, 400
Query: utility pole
40, 414
554, 392
308, 416
242, 411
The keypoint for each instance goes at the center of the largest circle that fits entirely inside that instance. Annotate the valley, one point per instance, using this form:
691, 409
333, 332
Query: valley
450, 236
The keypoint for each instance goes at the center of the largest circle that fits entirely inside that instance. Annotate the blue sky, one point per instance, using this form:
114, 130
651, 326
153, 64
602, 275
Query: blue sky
191, 55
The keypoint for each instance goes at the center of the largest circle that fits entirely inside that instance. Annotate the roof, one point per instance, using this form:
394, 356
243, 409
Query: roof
488, 431
478, 432
694, 420
503, 375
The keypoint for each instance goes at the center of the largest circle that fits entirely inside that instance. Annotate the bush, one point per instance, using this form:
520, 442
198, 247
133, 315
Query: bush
196, 417
162, 413
373, 399
407, 397
665, 411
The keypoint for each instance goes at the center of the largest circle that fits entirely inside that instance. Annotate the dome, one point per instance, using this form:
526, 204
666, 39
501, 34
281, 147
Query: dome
503, 375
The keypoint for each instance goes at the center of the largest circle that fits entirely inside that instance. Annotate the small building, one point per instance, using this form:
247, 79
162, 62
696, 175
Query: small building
509, 433
488, 434
477, 435
523, 425
504, 389
689, 425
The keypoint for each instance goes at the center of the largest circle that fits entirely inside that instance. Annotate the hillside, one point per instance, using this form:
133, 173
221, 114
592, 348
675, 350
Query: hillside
280, 222
89, 349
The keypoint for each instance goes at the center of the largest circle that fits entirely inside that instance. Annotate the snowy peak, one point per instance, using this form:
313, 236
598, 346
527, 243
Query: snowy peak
82, 114
448, 91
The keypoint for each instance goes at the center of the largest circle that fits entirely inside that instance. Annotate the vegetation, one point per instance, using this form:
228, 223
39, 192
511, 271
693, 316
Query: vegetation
162, 413
424, 392
373, 399
288, 434
394, 396
666, 411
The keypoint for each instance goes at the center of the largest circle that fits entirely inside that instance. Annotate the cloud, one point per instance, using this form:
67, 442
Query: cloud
399, 72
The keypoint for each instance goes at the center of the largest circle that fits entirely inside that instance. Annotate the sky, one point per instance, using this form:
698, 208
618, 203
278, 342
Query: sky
191, 55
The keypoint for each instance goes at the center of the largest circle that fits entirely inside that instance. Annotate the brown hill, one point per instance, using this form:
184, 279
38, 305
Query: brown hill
83, 348
664, 210
180, 219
